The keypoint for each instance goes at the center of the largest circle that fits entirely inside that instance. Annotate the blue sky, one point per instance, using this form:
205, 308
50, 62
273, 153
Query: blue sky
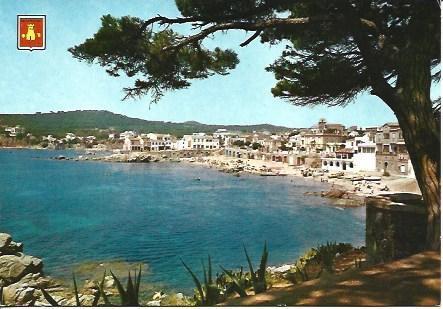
52, 80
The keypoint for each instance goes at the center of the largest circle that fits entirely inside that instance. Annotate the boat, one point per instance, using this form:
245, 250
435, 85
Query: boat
372, 178
268, 174
357, 178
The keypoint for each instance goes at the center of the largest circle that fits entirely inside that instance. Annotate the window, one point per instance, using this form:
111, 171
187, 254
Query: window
325, 163
337, 163
331, 164
351, 165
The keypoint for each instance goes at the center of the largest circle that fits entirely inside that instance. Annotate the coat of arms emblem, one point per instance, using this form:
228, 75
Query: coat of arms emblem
31, 32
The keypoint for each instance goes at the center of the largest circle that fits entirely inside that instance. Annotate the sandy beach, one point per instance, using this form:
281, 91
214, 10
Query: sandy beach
363, 187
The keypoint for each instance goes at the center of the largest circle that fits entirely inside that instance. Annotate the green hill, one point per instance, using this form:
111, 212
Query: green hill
101, 122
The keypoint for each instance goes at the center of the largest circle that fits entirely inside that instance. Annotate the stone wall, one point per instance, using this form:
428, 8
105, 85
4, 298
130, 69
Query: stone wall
395, 226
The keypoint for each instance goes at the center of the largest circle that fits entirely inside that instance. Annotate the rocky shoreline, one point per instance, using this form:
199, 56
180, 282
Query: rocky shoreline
21, 275
22, 280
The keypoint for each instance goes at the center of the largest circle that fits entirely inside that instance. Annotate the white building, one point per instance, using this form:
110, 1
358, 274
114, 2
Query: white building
13, 131
365, 159
198, 141
127, 134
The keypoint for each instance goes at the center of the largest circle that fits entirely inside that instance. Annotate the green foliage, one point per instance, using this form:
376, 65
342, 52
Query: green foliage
238, 143
124, 45
256, 146
49, 298
84, 123
210, 293
130, 296
238, 282
258, 278
2, 297
326, 255
300, 270
325, 61
102, 292
77, 298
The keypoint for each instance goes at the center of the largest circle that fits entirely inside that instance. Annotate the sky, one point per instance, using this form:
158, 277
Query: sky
51, 80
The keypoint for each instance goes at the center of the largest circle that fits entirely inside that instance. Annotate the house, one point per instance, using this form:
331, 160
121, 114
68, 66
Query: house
355, 154
198, 141
13, 131
391, 153
316, 138
365, 158
203, 141
127, 134
133, 144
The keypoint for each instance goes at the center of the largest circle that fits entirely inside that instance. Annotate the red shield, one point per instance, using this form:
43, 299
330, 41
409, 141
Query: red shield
31, 32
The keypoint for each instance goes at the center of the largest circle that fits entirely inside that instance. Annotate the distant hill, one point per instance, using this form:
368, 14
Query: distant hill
91, 121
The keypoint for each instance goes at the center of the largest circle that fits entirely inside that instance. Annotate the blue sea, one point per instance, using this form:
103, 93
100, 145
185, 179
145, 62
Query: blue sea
69, 213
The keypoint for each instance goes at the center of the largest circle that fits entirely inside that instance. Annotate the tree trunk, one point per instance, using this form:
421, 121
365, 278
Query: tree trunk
421, 129
422, 134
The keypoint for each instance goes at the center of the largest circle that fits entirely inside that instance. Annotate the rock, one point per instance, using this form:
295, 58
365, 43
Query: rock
5, 240
15, 247
179, 296
22, 292
38, 281
154, 303
13, 268
334, 193
19, 294
282, 269
158, 295
109, 282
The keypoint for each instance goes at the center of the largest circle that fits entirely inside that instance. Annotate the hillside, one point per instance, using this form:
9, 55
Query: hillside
89, 121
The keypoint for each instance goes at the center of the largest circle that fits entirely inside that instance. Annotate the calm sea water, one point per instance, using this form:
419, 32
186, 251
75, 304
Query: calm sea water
73, 212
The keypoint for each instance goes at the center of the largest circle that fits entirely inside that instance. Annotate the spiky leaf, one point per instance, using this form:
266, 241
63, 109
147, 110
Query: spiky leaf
196, 282
77, 298
49, 298
121, 290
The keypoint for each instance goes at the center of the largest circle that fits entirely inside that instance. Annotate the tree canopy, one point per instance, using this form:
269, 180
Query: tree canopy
333, 48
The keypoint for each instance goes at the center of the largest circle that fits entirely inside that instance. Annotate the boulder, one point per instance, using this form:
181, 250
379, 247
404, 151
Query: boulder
22, 292
5, 240
334, 193
19, 294
13, 268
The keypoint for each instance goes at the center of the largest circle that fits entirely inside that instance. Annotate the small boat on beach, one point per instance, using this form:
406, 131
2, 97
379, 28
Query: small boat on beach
372, 178
268, 174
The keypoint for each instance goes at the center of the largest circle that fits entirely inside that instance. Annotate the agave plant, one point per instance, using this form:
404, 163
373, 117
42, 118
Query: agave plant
209, 294
238, 282
2, 299
326, 255
258, 278
130, 296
